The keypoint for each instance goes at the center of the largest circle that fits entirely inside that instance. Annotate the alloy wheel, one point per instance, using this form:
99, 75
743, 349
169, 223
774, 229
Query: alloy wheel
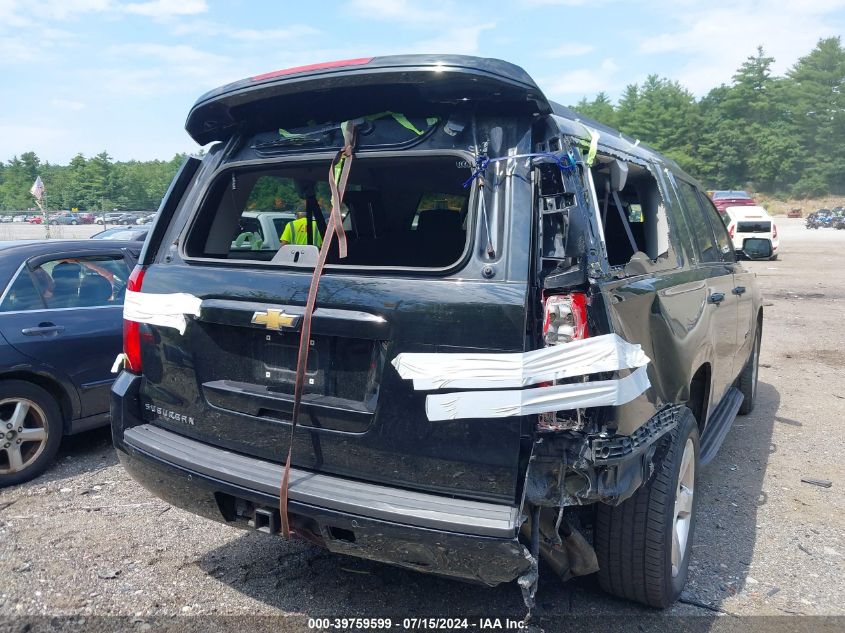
684, 497
23, 434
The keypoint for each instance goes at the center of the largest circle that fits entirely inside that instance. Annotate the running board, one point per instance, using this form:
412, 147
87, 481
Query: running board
719, 424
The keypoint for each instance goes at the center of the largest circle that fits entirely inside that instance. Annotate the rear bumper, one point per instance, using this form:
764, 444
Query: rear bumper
465, 539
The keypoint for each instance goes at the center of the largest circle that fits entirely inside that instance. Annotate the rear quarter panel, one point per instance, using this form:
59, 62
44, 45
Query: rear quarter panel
666, 314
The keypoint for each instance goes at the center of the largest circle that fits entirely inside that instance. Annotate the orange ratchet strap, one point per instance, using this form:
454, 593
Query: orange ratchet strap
338, 177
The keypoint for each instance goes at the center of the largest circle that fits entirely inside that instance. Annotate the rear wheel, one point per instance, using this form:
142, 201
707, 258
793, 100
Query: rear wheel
747, 381
644, 544
30, 431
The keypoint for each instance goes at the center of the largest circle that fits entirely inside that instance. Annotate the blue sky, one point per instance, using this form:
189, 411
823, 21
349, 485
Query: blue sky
88, 75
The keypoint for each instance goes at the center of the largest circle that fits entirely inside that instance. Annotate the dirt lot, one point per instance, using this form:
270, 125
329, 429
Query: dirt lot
85, 540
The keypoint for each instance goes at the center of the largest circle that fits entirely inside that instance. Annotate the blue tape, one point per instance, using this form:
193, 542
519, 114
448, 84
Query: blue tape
566, 162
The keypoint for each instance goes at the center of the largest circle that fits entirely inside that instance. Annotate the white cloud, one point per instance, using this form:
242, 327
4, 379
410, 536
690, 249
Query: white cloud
63, 9
715, 39
569, 50
276, 36
457, 41
67, 104
403, 11
574, 84
166, 8
147, 70
553, 3
45, 137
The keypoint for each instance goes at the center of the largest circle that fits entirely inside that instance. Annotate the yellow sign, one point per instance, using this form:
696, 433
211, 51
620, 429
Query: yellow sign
75, 209
274, 319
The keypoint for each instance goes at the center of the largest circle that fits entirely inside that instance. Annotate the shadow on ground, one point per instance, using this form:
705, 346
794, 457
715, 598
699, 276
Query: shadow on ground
86, 452
301, 578
731, 495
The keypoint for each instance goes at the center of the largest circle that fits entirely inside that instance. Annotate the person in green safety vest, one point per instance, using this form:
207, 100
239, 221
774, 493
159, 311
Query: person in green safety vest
296, 231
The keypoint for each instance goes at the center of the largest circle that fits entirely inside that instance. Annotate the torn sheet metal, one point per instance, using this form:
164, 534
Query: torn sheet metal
431, 371
506, 403
165, 310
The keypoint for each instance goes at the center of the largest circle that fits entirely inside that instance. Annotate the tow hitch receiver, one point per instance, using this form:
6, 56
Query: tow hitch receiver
266, 520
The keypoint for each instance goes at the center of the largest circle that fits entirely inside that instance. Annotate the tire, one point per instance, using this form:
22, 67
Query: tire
74, 222
26, 406
634, 541
747, 380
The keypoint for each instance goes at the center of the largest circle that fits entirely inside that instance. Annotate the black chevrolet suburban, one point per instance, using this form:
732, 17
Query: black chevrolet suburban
536, 332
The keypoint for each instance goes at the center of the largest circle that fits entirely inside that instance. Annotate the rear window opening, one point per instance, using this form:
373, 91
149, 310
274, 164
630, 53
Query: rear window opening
408, 212
641, 226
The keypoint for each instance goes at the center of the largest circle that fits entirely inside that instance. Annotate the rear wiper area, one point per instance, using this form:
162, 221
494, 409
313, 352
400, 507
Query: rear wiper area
293, 141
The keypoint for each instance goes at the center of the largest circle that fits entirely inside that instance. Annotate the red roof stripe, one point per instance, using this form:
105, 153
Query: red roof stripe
310, 67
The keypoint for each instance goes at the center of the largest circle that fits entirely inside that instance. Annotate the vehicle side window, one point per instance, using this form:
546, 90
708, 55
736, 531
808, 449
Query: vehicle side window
700, 228
723, 240
22, 295
437, 203
82, 282
634, 218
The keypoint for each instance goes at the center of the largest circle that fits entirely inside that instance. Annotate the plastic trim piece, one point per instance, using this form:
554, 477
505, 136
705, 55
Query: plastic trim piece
431, 371
324, 491
165, 310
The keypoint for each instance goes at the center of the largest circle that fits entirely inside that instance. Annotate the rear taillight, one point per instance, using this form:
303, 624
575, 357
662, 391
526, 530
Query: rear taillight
564, 318
132, 329
774, 230
731, 231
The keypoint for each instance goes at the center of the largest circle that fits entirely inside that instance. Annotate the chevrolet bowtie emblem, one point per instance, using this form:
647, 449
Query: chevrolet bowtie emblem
274, 319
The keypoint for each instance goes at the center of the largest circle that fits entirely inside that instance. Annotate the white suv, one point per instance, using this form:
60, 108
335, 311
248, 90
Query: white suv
261, 230
751, 221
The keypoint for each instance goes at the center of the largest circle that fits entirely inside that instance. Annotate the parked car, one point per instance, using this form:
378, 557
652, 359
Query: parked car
261, 230
19, 218
64, 217
35, 219
145, 218
751, 222
60, 330
86, 218
119, 233
6, 219
497, 344
725, 199
110, 218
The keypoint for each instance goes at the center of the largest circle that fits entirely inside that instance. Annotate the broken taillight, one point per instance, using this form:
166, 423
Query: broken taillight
132, 329
731, 231
564, 318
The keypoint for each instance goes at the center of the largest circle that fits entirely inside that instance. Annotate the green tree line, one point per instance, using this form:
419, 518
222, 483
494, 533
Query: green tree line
781, 135
88, 184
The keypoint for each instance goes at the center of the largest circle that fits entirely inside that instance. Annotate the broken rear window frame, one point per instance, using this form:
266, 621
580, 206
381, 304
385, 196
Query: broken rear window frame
225, 168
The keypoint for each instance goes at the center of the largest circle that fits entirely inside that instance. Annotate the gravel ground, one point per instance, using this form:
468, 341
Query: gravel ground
84, 540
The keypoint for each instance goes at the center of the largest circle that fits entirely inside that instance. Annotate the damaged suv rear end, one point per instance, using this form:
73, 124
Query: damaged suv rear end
524, 338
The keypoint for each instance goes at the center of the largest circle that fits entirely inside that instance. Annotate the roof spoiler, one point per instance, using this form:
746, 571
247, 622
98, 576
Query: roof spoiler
337, 91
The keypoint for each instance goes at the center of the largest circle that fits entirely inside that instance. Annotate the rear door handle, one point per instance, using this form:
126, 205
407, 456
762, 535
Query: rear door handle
716, 297
739, 290
43, 329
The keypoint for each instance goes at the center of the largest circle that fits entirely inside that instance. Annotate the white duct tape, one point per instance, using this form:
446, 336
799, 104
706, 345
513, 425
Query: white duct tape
166, 310
481, 370
502, 404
